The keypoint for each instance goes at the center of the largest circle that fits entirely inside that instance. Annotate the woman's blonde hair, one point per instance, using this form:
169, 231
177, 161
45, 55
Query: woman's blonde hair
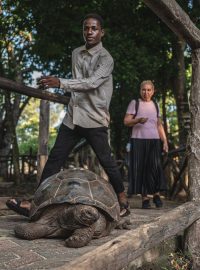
147, 82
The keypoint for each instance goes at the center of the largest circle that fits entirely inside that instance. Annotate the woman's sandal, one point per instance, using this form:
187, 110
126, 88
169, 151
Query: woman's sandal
146, 204
157, 201
15, 206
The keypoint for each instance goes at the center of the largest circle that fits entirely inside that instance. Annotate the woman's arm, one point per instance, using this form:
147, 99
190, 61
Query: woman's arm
130, 121
162, 135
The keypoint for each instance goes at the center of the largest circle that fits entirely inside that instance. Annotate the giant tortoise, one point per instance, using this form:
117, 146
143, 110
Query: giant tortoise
74, 204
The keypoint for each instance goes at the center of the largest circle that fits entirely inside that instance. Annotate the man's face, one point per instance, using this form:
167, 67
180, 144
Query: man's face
92, 32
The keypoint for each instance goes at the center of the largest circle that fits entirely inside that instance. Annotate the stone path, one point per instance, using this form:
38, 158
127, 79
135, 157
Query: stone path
52, 253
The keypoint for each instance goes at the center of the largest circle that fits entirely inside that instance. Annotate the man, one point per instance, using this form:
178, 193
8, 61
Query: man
88, 110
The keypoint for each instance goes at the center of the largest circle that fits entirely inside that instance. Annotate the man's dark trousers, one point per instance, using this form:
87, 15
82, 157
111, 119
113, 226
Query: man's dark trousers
98, 139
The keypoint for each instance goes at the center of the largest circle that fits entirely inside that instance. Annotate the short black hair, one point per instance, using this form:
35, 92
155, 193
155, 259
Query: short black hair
95, 16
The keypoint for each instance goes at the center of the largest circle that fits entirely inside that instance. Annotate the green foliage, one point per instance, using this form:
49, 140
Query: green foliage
28, 126
172, 124
141, 51
15, 39
179, 261
140, 43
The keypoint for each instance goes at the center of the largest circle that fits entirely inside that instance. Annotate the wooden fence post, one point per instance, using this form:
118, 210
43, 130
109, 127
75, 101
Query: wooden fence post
43, 137
192, 242
180, 23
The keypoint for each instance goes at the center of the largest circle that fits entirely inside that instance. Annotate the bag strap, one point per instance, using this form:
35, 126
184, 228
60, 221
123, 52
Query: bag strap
137, 102
156, 105
136, 106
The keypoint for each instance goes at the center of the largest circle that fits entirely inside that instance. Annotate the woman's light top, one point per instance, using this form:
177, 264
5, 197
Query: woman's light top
148, 130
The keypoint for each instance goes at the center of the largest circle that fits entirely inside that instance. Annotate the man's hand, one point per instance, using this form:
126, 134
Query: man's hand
48, 82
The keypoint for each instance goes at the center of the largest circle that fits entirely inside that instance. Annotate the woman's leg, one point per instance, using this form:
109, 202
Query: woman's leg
145, 201
157, 200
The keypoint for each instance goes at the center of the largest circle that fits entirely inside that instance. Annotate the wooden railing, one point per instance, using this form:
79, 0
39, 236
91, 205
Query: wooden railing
175, 166
27, 165
119, 252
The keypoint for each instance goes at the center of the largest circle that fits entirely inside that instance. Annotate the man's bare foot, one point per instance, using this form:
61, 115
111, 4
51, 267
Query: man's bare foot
23, 203
21, 207
124, 205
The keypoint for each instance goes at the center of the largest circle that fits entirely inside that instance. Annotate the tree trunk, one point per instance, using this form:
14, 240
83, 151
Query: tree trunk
15, 156
6, 132
193, 233
15, 148
43, 137
180, 91
117, 130
179, 22
164, 113
176, 19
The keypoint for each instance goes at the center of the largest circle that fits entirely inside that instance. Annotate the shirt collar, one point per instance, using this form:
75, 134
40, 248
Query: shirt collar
94, 49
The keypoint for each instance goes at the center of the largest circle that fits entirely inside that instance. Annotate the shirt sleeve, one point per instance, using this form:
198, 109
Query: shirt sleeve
131, 108
99, 76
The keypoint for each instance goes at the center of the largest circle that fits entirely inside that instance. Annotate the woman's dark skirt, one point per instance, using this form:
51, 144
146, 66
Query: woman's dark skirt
146, 174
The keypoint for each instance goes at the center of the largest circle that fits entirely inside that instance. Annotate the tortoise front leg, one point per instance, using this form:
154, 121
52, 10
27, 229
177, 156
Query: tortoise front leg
32, 231
80, 237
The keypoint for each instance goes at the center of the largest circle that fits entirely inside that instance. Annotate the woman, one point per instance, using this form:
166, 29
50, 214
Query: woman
146, 175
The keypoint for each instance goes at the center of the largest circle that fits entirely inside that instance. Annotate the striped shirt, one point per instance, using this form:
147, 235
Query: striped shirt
91, 88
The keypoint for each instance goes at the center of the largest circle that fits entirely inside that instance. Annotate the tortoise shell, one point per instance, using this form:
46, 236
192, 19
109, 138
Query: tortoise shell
76, 186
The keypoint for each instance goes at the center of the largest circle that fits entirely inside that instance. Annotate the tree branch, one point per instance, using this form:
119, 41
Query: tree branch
176, 19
